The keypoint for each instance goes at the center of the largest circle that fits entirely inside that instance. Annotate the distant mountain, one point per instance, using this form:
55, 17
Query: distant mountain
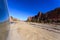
50, 16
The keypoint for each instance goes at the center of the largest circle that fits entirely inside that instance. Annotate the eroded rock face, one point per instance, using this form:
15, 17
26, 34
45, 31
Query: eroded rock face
12, 19
29, 19
54, 14
50, 16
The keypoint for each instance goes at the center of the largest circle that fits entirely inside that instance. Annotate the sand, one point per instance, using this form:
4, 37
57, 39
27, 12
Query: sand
24, 31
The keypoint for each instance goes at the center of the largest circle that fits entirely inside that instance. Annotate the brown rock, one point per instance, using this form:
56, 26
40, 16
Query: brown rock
50, 16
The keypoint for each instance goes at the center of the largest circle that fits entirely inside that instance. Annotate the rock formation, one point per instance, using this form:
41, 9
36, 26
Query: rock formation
48, 17
12, 19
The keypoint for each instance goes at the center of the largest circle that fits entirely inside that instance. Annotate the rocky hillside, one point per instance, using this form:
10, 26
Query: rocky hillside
52, 16
12, 19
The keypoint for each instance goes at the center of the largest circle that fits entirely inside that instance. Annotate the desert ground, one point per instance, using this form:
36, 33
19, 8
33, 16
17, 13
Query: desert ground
33, 31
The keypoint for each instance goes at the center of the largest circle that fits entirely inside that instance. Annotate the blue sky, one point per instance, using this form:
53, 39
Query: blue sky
22, 9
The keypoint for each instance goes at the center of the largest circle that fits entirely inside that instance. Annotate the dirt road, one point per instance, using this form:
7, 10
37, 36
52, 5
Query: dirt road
13, 34
25, 31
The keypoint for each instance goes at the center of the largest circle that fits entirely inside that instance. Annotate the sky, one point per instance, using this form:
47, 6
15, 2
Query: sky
22, 9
